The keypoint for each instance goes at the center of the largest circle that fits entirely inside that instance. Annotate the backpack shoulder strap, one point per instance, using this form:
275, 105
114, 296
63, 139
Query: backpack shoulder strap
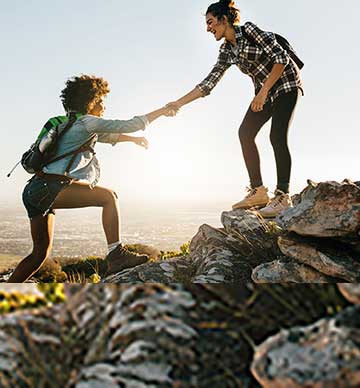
283, 42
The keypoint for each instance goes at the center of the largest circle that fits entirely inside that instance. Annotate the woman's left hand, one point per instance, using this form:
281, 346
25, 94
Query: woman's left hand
141, 141
258, 102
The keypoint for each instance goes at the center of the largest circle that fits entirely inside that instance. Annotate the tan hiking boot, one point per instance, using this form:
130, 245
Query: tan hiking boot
121, 258
255, 197
279, 203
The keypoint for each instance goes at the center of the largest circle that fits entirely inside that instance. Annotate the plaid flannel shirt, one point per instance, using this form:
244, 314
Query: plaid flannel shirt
255, 60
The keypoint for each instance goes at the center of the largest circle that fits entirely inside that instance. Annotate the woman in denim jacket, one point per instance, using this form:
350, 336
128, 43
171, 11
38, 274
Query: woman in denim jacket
71, 182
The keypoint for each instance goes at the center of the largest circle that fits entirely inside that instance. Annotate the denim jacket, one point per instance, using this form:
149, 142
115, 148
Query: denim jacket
85, 167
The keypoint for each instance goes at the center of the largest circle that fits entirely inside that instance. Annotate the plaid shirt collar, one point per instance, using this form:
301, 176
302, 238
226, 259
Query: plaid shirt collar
238, 36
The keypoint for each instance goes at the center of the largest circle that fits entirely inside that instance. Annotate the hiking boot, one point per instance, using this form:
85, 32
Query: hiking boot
255, 197
121, 258
279, 203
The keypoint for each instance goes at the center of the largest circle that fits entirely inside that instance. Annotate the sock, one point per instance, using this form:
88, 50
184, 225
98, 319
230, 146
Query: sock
254, 185
112, 246
284, 187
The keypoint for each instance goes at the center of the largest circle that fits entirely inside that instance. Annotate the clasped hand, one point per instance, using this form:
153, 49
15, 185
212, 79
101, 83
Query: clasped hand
171, 109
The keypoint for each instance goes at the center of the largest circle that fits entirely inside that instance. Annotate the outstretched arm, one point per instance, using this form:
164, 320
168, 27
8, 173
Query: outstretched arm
140, 141
207, 85
186, 99
164, 111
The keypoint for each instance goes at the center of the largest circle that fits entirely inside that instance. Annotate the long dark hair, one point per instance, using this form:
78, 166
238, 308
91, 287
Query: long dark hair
225, 8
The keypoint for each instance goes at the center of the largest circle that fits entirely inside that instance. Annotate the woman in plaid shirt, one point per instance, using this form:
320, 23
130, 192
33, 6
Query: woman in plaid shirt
277, 83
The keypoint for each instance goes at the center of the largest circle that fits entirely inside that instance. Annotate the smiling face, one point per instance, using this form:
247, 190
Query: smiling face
98, 108
215, 26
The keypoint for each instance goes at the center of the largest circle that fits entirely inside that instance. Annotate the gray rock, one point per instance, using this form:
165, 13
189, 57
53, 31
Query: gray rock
241, 222
285, 271
176, 270
249, 230
153, 335
327, 209
323, 355
351, 292
329, 258
214, 256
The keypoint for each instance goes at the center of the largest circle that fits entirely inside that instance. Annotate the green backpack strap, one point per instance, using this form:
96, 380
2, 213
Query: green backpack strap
54, 122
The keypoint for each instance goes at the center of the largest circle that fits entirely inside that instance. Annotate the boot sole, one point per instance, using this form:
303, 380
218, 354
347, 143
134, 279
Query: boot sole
252, 207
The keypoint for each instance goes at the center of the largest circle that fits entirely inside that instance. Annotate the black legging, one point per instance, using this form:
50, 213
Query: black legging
281, 112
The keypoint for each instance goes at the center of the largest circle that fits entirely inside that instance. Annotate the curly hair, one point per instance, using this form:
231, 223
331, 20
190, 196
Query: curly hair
225, 8
82, 92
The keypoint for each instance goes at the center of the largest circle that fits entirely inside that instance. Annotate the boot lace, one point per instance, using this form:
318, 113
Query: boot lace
279, 196
251, 192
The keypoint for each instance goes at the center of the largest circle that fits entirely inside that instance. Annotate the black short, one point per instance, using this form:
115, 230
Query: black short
40, 193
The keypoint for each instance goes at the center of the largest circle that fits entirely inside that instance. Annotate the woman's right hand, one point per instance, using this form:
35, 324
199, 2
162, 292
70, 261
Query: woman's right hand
172, 108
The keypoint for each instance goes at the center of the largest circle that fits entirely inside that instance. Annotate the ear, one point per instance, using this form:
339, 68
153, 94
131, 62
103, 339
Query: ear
224, 19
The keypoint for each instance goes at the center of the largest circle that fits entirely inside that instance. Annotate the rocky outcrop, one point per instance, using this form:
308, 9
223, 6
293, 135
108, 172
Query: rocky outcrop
316, 241
325, 256
321, 236
153, 335
288, 271
326, 209
324, 354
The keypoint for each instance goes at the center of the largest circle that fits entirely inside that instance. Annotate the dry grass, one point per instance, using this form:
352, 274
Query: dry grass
8, 261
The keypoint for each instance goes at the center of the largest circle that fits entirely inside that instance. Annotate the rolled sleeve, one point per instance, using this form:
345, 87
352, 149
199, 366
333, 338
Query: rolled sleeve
109, 138
100, 126
217, 72
268, 42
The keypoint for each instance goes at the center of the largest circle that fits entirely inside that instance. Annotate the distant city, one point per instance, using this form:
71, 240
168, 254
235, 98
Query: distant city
79, 232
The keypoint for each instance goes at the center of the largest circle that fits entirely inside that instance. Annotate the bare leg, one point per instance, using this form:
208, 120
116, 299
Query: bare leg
42, 233
79, 195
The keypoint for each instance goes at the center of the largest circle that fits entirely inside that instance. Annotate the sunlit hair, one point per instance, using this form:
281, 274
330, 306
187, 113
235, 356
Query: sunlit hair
225, 8
82, 92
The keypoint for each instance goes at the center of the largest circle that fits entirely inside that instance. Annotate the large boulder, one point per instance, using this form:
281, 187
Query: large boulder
251, 232
215, 258
323, 355
328, 257
288, 271
326, 209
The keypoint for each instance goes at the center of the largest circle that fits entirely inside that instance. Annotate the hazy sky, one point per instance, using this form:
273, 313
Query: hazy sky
152, 52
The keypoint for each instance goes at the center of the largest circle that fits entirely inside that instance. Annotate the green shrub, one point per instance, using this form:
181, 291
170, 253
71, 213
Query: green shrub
13, 301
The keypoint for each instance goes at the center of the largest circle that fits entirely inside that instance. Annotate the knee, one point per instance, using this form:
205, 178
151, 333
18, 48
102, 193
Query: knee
245, 136
278, 141
110, 197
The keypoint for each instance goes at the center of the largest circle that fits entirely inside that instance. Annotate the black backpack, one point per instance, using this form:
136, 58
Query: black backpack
284, 43
35, 158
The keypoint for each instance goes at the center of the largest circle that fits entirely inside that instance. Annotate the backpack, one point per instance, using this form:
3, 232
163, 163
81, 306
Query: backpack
43, 150
284, 43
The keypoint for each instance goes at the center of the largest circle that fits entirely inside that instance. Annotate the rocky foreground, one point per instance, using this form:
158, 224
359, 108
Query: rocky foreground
316, 241
187, 336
